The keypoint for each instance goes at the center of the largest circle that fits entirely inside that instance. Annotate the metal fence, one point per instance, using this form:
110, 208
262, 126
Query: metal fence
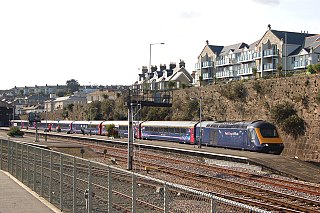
77, 185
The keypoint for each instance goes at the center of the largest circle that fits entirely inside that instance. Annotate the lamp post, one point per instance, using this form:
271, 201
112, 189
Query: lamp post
200, 119
46, 136
150, 55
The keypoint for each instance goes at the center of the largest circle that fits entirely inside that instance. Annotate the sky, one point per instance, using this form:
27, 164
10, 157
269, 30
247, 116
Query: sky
105, 42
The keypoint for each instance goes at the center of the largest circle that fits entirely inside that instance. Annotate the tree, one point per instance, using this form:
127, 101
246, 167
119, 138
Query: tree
73, 85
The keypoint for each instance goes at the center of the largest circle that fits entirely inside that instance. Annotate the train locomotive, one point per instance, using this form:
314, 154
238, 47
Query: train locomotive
257, 136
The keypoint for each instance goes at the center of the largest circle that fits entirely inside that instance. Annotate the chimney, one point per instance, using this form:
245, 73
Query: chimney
182, 64
163, 67
207, 41
172, 65
269, 26
154, 68
144, 69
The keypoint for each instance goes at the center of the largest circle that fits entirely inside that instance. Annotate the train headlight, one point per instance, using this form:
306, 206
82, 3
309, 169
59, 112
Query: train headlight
266, 145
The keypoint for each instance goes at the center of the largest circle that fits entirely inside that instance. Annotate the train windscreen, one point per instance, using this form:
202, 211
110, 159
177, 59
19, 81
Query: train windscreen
269, 132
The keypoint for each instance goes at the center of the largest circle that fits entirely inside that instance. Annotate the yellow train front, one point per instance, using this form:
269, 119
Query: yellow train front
259, 136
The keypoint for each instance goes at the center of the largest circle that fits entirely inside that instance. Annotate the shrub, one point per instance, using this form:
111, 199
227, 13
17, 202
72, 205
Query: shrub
286, 117
316, 67
111, 131
293, 125
235, 91
310, 69
15, 131
257, 87
282, 111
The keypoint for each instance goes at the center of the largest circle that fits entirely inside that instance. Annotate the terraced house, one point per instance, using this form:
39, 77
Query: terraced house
276, 50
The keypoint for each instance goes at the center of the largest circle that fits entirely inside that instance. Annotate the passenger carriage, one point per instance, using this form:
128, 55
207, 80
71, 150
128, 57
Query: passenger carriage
175, 131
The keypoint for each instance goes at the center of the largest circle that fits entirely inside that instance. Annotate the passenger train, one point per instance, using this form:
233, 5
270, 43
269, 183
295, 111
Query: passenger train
258, 136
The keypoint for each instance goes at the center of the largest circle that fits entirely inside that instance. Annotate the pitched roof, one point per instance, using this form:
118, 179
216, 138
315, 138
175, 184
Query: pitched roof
233, 47
215, 48
312, 41
291, 37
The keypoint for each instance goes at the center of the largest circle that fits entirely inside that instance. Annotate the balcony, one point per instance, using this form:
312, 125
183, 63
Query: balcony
207, 76
270, 53
300, 64
206, 64
256, 55
225, 62
269, 66
245, 58
245, 71
226, 74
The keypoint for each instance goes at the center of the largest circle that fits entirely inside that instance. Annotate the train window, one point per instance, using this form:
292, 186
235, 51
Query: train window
269, 132
183, 130
171, 130
177, 130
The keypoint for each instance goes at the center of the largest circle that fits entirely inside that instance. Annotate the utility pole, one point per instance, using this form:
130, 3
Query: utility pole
130, 134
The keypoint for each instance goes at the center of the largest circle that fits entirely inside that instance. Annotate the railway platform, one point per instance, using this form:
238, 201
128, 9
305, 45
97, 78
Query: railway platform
17, 198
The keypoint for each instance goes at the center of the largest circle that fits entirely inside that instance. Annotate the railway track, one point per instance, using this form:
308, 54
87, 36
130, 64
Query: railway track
254, 195
219, 177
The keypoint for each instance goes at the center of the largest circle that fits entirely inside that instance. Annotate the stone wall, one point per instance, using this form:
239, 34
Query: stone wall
262, 95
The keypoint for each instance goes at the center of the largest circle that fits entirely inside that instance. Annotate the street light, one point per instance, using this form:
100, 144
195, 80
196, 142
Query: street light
200, 119
150, 55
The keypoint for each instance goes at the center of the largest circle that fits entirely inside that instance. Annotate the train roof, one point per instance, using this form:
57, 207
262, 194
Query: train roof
64, 122
48, 121
170, 123
87, 122
232, 124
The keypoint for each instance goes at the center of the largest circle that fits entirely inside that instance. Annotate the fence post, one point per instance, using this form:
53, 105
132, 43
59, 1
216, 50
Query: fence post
27, 165
109, 190
90, 188
213, 206
21, 146
8, 152
134, 190
16, 160
61, 184
41, 180
34, 169
11, 157
1, 154
165, 198
50, 179
74, 184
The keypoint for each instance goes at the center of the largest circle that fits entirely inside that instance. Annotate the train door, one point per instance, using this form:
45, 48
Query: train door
249, 142
192, 135
213, 137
